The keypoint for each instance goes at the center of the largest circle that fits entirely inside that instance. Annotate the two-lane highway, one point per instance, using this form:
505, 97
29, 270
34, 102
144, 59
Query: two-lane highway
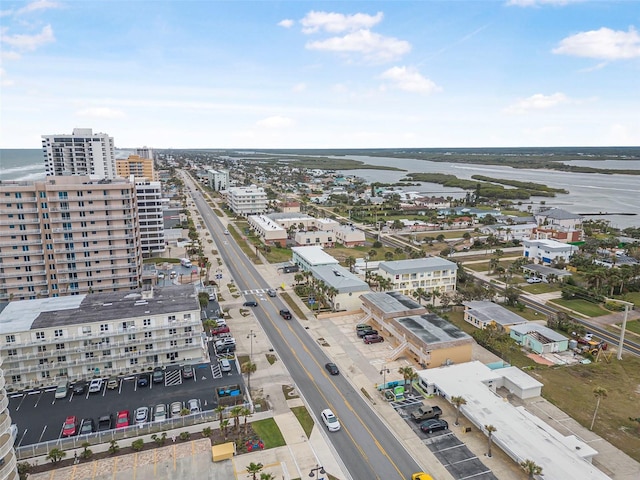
366, 447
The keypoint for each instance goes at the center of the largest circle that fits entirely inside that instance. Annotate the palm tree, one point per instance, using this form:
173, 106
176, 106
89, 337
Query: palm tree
235, 413
224, 426
531, 468
248, 368
599, 393
490, 429
458, 401
267, 476
407, 373
246, 413
350, 262
219, 410
253, 469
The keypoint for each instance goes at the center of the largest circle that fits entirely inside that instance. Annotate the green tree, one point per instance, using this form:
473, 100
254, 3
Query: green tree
86, 452
490, 430
235, 414
458, 401
599, 393
408, 374
206, 432
531, 468
224, 426
253, 469
267, 476
159, 439
55, 455
114, 447
23, 470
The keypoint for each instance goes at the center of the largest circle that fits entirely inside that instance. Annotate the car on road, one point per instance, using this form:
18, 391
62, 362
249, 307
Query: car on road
330, 420
271, 292
70, 426
187, 371
175, 409
285, 313
122, 419
87, 426
143, 380
421, 476
434, 425
534, 280
194, 405
332, 368
79, 387
250, 303
142, 414
113, 383
160, 412
95, 386
373, 339
105, 423
158, 375
226, 232
364, 333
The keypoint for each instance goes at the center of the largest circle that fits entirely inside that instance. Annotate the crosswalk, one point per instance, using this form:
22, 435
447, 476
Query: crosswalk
257, 291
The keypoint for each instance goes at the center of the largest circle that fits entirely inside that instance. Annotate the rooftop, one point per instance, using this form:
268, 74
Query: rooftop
432, 329
339, 278
546, 332
559, 214
314, 255
391, 302
429, 264
489, 311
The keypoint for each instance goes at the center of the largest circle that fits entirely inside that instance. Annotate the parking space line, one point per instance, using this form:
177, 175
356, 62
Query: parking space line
23, 435
38, 401
42, 434
475, 475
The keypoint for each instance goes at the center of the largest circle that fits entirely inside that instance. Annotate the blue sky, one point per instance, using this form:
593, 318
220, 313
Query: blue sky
310, 74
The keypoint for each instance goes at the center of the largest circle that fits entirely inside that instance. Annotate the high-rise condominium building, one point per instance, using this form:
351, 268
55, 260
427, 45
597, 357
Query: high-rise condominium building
81, 153
139, 167
66, 236
8, 464
150, 217
218, 179
145, 152
247, 200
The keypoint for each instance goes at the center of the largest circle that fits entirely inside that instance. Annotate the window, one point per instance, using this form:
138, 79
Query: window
130, 349
16, 378
106, 353
148, 334
173, 343
11, 338
133, 361
108, 365
172, 318
131, 336
43, 361
45, 374
187, 316
88, 354
12, 352
59, 346
62, 358
39, 335
187, 329
42, 348
58, 333
146, 322
148, 346
104, 327
188, 341
173, 331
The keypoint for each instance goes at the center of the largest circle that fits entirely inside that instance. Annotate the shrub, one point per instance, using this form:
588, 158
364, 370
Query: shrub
185, 435
55, 455
159, 439
207, 431
113, 447
87, 452
137, 445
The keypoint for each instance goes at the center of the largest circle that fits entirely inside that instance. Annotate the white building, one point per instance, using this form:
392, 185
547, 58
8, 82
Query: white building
344, 286
269, 231
8, 470
483, 314
559, 218
150, 217
145, 152
431, 274
308, 257
81, 153
81, 336
547, 251
244, 201
505, 233
218, 179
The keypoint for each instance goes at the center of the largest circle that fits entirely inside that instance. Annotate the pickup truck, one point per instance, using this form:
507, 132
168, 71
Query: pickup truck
425, 413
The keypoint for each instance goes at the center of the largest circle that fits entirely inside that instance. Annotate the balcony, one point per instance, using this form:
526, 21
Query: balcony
15, 221
16, 241
19, 253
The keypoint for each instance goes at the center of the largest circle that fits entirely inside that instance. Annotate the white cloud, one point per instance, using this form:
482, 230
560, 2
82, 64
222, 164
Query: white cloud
286, 23
38, 5
24, 42
409, 80
4, 81
100, 112
338, 22
276, 121
299, 87
535, 3
372, 46
5, 55
538, 101
604, 44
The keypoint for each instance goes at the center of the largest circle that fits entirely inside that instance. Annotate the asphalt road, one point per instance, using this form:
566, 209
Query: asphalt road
365, 446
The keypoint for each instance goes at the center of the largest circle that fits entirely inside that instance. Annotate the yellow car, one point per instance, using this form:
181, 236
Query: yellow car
421, 476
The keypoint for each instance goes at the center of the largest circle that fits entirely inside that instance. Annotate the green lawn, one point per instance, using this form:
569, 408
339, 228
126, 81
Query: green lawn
581, 306
527, 313
477, 267
633, 297
304, 418
633, 326
269, 433
537, 288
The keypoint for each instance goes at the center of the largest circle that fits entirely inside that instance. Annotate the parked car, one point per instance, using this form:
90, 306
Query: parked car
79, 387
122, 419
373, 339
175, 409
62, 390
95, 386
421, 476
225, 365
142, 414
220, 322
218, 330
330, 420
271, 292
225, 341
285, 313
434, 425
87, 426
143, 380
364, 333
70, 426
193, 405
363, 326
160, 412
187, 371
425, 412
105, 423
223, 349
158, 375
534, 280
113, 383
332, 368
250, 303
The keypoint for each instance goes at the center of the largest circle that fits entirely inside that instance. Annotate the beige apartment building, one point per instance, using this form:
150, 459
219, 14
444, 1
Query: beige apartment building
139, 167
83, 336
8, 463
68, 235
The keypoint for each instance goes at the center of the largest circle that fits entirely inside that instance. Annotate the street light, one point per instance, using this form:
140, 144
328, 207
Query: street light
318, 469
251, 336
384, 372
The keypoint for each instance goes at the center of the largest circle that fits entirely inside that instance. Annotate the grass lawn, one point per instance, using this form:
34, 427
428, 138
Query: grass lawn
304, 418
571, 389
278, 255
633, 326
633, 297
581, 306
268, 432
477, 267
537, 288
527, 313
293, 306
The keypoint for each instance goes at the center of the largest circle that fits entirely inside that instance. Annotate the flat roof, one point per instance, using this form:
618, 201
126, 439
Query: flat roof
520, 434
24, 315
391, 302
266, 223
289, 216
549, 244
489, 311
429, 264
546, 332
340, 278
432, 329
314, 255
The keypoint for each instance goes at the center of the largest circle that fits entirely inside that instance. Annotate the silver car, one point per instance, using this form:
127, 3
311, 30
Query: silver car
160, 412
142, 414
193, 405
175, 408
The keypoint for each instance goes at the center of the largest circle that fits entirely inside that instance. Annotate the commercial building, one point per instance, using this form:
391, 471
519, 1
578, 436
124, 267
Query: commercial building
245, 201
8, 464
145, 152
431, 274
150, 217
99, 335
218, 179
342, 288
68, 235
139, 167
81, 153
320, 238
547, 251
484, 314
267, 230
308, 257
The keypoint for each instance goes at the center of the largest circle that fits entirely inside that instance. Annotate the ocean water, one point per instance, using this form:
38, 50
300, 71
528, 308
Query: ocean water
21, 164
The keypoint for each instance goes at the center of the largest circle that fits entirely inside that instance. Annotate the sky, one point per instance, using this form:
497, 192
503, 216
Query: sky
322, 74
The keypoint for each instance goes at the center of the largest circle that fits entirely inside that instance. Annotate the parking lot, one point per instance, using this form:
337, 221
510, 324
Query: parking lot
40, 416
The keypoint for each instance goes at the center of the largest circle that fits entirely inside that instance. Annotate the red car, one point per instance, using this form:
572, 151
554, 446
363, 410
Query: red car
373, 339
122, 420
219, 330
70, 427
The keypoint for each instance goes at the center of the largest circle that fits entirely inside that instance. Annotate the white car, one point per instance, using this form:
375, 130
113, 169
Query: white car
226, 232
534, 280
95, 386
175, 408
193, 405
160, 412
330, 420
225, 342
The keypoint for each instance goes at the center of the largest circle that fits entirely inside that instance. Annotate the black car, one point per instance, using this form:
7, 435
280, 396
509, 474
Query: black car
143, 380
79, 387
105, 423
250, 303
433, 425
332, 368
285, 313
158, 375
364, 333
226, 349
87, 426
